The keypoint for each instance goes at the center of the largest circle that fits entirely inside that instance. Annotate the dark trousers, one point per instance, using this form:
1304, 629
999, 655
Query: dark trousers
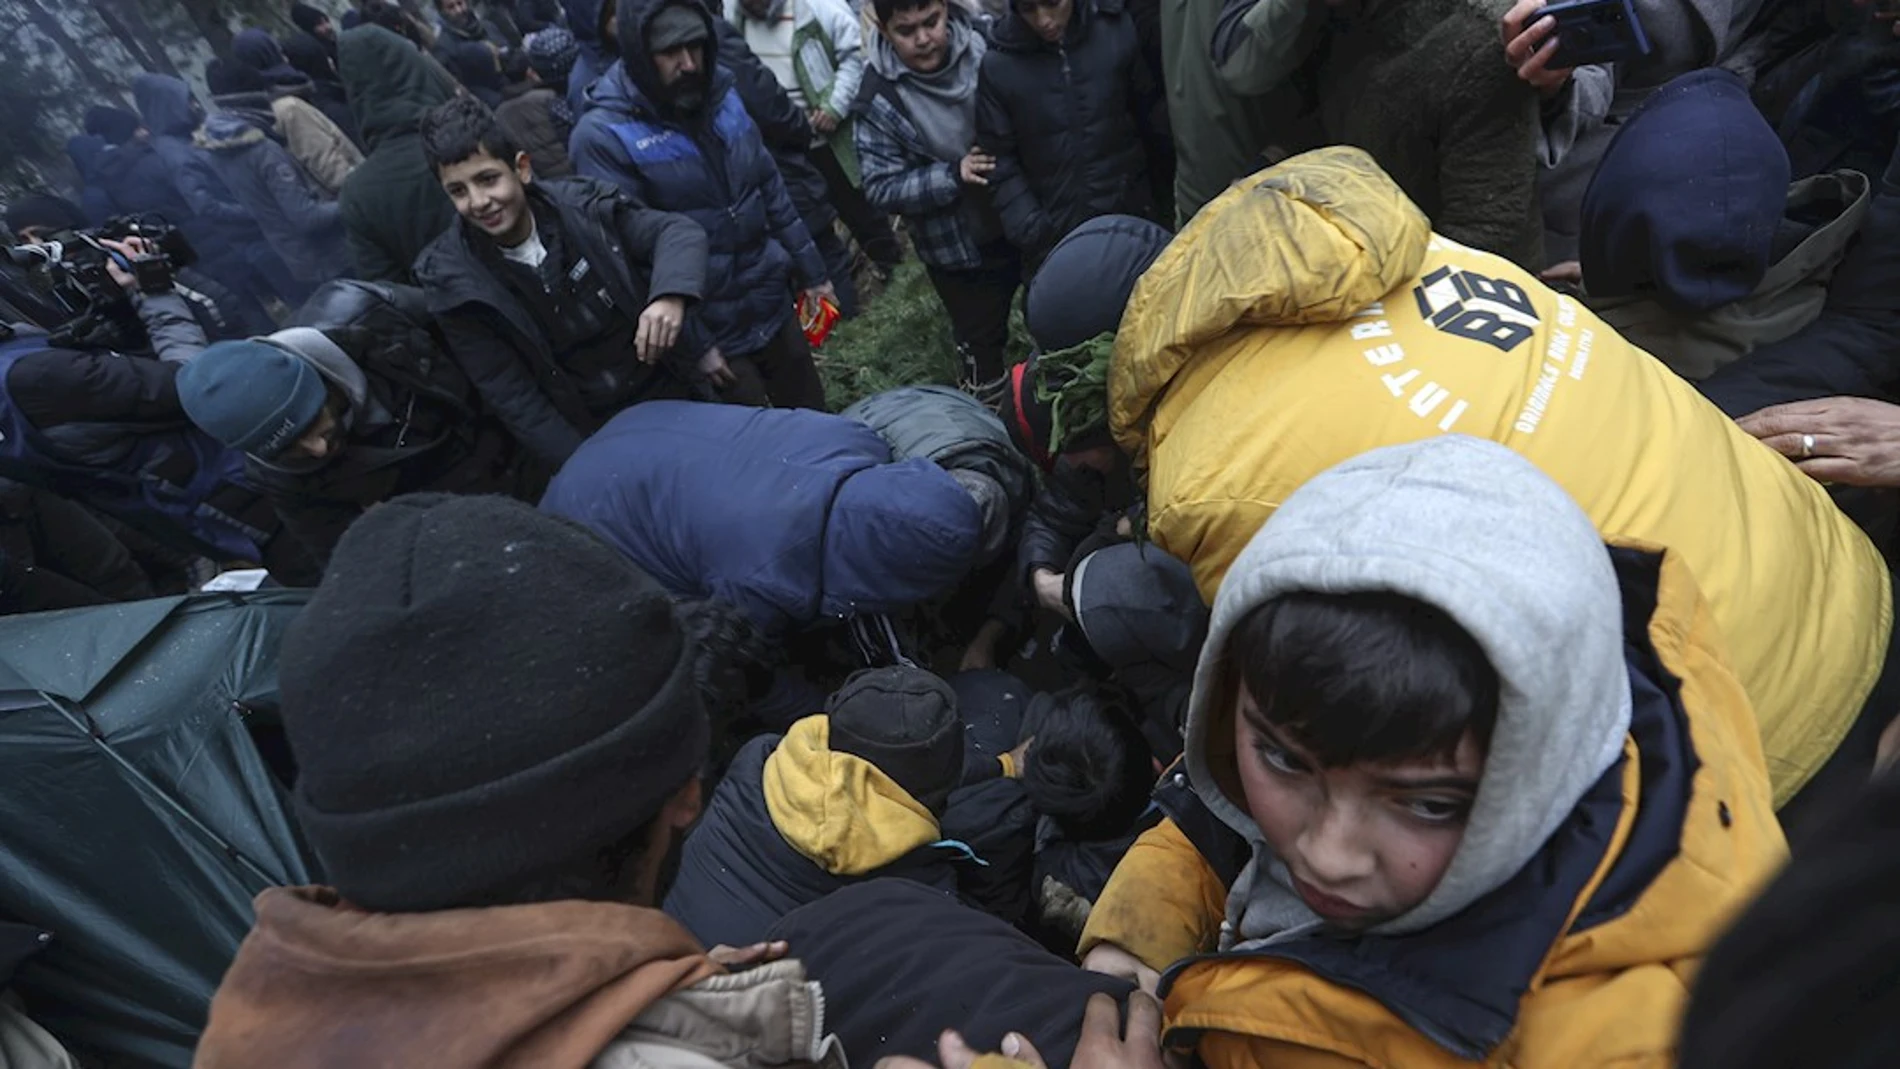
978, 301
870, 228
781, 373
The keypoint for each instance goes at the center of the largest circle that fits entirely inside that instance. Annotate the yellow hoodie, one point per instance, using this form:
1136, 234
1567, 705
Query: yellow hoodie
838, 809
1309, 315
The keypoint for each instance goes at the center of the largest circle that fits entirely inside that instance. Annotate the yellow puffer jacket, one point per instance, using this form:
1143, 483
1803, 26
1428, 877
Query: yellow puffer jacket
1309, 315
1607, 990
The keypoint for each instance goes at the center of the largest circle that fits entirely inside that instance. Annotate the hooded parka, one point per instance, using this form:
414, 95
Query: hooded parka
711, 166
1244, 367
393, 205
1621, 818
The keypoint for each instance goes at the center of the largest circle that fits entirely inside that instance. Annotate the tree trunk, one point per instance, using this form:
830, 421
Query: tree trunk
208, 16
130, 26
44, 21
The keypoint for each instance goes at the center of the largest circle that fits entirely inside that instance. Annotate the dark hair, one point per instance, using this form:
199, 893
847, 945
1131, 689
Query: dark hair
1089, 769
462, 127
1371, 676
889, 9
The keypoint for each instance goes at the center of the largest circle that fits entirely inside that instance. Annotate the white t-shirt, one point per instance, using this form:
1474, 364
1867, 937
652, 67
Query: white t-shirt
530, 252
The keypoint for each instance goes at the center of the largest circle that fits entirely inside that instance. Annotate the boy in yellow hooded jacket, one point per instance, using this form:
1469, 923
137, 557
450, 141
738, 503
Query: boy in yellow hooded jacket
1463, 785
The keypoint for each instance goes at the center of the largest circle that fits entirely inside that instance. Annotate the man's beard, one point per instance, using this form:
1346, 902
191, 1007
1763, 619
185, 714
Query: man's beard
688, 91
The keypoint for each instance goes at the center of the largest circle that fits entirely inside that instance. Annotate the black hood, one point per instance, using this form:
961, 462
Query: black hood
635, 18
583, 21
389, 83
165, 105
1083, 286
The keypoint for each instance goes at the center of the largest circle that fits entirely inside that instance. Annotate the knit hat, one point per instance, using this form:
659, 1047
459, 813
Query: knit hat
992, 503
478, 694
116, 125
1083, 286
307, 18
904, 721
676, 25
1687, 199
251, 395
551, 52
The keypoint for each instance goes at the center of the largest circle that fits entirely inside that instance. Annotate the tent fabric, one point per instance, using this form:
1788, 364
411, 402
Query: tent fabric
139, 818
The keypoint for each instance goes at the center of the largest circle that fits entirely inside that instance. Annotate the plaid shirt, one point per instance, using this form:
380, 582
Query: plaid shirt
902, 177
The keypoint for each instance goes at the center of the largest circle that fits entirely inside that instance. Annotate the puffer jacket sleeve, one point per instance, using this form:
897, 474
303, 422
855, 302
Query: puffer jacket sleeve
783, 215
1024, 221
66, 386
673, 244
500, 375
1162, 904
171, 328
1258, 44
896, 181
317, 143
598, 154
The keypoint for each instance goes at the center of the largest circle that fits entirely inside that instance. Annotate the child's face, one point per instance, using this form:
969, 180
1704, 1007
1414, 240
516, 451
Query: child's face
1364, 843
492, 194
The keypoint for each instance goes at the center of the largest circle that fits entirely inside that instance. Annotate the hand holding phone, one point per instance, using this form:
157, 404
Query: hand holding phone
1545, 42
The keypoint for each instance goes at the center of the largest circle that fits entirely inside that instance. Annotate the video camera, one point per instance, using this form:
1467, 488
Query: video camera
72, 270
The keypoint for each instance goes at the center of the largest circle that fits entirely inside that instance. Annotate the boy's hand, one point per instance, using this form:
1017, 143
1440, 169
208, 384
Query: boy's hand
822, 121
713, 366
1048, 587
975, 168
826, 290
659, 328
1111, 960
1529, 42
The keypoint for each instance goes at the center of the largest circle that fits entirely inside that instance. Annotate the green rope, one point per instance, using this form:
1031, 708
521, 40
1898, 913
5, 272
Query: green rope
1075, 383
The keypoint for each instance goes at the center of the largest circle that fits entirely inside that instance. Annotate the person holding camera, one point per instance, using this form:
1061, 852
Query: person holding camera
1584, 106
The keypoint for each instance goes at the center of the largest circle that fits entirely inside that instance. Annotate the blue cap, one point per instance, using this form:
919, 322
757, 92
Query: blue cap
1685, 204
254, 397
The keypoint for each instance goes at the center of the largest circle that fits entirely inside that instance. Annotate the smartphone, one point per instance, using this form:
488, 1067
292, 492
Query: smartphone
1596, 31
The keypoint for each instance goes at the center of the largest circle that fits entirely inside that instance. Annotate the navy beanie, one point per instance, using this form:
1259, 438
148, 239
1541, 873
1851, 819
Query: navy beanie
1687, 199
1083, 286
253, 396
904, 721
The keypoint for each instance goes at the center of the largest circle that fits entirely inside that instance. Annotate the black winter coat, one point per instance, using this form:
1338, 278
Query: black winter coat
1062, 122
637, 253
434, 440
392, 203
901, 962
738, 876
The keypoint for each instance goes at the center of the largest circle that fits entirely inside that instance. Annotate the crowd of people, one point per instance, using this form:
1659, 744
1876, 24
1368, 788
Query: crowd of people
1425, 600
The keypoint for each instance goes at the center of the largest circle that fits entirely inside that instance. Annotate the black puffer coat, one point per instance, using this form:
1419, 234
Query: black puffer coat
1061, 122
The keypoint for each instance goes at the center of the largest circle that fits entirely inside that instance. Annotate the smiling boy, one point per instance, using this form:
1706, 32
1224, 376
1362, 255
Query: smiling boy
1462, 786
563, 301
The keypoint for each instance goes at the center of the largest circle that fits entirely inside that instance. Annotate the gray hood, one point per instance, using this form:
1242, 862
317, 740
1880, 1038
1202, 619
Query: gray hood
1477, 531
315, 348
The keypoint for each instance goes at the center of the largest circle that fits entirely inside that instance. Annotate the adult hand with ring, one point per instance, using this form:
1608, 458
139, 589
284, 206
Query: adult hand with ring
1853, 441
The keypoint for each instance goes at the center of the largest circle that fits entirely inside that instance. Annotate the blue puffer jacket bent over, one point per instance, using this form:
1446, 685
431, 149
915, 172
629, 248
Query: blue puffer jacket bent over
794, 517
712, 166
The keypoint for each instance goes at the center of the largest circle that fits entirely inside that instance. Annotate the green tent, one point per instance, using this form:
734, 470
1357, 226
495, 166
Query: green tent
138, 817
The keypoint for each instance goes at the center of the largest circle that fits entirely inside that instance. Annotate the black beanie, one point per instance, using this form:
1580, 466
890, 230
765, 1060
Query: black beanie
223, 77
477, 694
1083, 287
307, 18
904, 721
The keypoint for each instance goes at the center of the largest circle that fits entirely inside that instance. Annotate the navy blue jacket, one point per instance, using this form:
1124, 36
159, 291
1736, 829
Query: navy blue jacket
596, 55
218, 221
714, 168
738, 876
792, 516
